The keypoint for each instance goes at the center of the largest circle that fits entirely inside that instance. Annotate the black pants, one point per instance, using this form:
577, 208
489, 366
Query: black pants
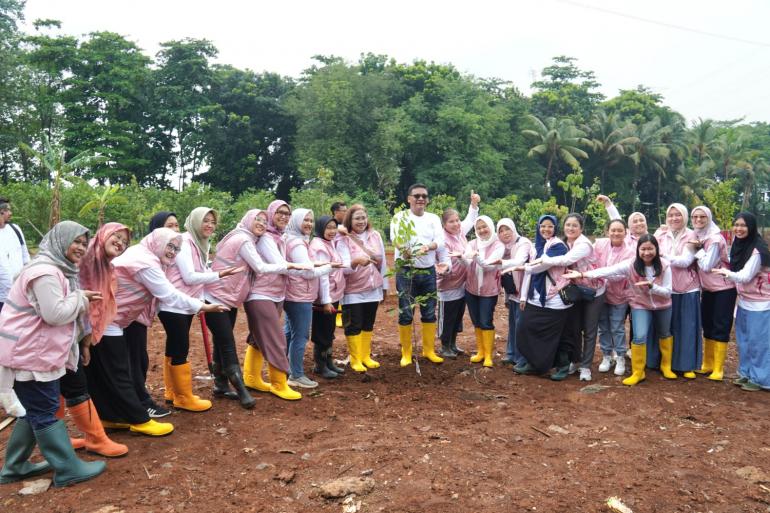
221, 325
110, 384
323, 327
359, 317
74, 386
136, 341
451, 317
177, 328
717, 314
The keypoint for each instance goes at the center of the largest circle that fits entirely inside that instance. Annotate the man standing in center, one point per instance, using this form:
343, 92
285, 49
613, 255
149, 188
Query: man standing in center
418, 280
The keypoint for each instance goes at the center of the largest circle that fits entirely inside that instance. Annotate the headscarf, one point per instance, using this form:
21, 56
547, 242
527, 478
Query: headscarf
482, 244
685, 217
633, 215
294, 228
96, 273
742, 249
710, 229
271, 210
508, 222
320, 226
53, 249
193, 225
155, 243
538, 280
244, 226
159, 219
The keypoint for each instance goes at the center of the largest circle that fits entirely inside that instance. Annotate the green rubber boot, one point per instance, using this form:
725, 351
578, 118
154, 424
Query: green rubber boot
68, 469
17, 453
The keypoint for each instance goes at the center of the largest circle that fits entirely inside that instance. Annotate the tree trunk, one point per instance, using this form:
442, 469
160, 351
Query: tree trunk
548, 175
55, 205
658, 200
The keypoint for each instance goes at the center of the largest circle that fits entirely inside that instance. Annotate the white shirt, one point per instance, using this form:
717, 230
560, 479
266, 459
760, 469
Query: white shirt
13, 256
184, 262
427, 228
745, 275
367, 296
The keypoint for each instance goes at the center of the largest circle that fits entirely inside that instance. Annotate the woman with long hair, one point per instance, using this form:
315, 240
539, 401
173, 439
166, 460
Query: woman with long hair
450, 283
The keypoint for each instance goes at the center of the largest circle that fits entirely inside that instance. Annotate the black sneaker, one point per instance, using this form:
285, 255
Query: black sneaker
157, 412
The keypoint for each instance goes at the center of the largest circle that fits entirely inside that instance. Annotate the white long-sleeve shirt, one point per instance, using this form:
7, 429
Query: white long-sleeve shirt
707, 260
367, 296
745, 275
184, 262
619, 271
13, 256
428, 230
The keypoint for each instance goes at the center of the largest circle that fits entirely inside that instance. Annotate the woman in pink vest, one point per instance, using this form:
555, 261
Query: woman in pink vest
684, 352
40, 327
609, 251
517, 250
190, 274
363, 257
141, 279
482, 286
450, 283
750, 271
301, 291
327, 303
540, 335
263, 306
96, 273
237, 249
650, 299
718, 297
637, 223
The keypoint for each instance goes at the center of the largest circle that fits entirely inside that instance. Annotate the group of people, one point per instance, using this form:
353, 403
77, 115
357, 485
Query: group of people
74, 319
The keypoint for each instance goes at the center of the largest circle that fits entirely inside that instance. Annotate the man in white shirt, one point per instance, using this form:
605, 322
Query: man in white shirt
13, 250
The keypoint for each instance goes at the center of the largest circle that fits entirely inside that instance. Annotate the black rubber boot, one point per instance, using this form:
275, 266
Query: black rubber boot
446, 349
330, 362
562, 367
319, 356
453, 345
221, 384
233, 373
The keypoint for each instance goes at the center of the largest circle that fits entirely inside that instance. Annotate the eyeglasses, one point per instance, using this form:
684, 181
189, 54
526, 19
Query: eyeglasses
282, 213
420, 196
172, 248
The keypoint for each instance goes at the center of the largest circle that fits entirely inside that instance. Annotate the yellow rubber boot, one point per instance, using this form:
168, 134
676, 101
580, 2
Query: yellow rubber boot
354, 349
253, 363
428, 342
365, 353
638, 362
278, 384
479, 356
708, 357
168, 393
405, 338
338, 320
488, 339
184, 399
720, 354
666, 352
152, 428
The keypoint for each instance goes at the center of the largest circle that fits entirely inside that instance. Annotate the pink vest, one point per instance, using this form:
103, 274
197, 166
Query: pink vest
175, 277
490, 281
556, 273
299, 289
642, 298
26, 341
231, 290
271, 285
715, 282
758, 289
684, 279
337, 277
365, 277
135, 302
586, 264
148, 314
456, 278
518, 276
618, 292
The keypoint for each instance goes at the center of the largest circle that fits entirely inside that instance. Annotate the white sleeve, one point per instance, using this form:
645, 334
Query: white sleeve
470, 219
684, 260
615, 272
496, 255
519, 258
383, 267
438, 233
665, 289
524, 292
299, 255
748, 272
268, 250
6, 280
184, 262
344, 252
572, 256
157, 283
52, 305
707, 260
612, 211
249, 253
24, 250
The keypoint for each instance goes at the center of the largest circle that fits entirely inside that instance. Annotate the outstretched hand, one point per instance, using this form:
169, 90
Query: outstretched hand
214, 308
92, 295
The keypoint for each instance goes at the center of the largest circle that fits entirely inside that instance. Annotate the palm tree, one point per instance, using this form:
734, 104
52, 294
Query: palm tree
59, 169
732, 150
747, 171
611, 143
556, 141
650, 154
693, 180
704, 142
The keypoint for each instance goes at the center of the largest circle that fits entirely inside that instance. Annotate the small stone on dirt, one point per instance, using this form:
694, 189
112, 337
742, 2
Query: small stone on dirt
222, 431
263, 466
558, 429
35, 487
350, 505
347, 485
367, 472
108, 509
753, 474
593, 389
285, 476
305, 456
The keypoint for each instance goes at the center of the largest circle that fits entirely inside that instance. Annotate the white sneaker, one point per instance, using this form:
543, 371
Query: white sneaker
620, 367
302, 382
585, 374
606, 363
573, 368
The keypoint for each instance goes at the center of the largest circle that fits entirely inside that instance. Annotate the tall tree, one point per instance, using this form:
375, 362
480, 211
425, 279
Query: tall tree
556, 141
650, 155
611, 143
566, 91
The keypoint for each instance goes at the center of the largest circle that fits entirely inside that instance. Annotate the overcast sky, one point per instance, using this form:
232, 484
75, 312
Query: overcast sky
708, 58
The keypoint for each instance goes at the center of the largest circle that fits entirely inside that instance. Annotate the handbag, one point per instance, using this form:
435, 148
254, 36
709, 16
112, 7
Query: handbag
506, 281
572, 293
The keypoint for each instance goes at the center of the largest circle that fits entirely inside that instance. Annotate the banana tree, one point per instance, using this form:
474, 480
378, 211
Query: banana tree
102, 197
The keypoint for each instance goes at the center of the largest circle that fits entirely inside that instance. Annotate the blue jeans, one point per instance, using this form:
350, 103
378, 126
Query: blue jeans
511, 351
423, 284
297, 330
612, 332
643, 319
481, 310
40, 399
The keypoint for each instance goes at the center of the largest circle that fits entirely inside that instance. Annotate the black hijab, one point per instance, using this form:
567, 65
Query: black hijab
320, 225
742, 249
159, 219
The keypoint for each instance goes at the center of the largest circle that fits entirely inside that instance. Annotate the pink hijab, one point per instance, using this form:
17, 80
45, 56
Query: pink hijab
96, 273
271, 210
243, 227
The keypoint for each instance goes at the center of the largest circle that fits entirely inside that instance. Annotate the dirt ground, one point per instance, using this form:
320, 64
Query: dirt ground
456, 438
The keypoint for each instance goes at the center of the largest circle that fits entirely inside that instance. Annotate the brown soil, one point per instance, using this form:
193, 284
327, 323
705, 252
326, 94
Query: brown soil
456, 438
